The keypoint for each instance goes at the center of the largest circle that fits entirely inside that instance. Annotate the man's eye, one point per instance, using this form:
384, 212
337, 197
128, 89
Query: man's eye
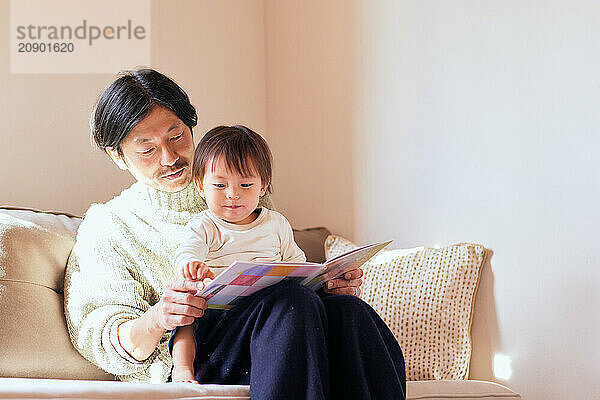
148, 151
246, 185
177, 137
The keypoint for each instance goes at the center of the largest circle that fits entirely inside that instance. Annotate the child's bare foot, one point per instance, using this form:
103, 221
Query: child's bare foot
183, 375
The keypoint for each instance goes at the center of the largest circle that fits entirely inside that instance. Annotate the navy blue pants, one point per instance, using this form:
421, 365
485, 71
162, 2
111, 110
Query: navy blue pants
288, 342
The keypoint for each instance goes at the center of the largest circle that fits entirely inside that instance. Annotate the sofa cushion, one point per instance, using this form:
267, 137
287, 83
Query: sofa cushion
311, 242
55, 389
52, 388
458, 390
34, 247
425, 296
32, 240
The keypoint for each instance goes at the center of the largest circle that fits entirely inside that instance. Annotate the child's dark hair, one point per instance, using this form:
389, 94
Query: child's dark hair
241, 148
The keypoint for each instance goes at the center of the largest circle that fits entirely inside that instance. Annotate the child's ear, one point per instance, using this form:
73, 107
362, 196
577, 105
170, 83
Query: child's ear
263, 189
198, 184
116, 157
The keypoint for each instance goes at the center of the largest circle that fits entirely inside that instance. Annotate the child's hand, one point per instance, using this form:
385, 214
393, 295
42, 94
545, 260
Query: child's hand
197, 271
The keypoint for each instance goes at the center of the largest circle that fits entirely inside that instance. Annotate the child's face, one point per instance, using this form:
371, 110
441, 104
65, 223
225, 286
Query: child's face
229, 195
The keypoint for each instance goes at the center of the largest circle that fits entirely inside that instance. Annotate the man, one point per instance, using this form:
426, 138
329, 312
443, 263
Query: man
122, 298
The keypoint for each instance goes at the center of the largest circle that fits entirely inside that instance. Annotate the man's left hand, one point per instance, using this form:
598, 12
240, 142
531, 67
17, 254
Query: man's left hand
349, 283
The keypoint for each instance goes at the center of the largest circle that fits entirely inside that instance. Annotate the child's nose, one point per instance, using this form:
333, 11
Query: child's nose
232, 194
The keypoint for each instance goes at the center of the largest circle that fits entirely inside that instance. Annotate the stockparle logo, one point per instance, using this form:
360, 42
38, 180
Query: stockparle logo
60, 36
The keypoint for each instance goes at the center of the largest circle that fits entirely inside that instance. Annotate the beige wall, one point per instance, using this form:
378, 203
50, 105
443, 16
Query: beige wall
449, 122
215, 50
312, 78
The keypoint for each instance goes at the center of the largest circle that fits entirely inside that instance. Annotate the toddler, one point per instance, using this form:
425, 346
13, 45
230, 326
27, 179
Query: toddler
231, 170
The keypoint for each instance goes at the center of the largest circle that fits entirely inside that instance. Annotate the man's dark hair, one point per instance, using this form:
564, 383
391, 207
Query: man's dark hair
129, 99
242, 150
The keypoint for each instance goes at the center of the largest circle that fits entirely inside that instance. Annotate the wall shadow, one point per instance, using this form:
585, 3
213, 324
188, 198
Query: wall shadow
485, 333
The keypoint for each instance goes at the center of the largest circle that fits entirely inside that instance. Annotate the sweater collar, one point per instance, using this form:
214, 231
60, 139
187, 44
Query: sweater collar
187, 199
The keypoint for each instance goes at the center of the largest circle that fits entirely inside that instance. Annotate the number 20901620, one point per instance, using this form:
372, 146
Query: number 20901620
46, 47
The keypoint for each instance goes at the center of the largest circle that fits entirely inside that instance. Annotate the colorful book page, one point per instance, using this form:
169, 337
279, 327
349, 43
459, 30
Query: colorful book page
349, 261
242, 279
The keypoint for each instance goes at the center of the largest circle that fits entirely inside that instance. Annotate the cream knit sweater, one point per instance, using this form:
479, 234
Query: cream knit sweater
118, 269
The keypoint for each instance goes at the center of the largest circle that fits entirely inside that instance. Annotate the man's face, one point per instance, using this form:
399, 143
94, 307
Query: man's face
158, 151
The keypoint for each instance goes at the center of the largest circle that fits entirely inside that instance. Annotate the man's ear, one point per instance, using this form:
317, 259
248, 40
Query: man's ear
116, 157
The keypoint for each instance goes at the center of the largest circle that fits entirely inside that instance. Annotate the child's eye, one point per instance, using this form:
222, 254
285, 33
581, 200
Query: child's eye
219, 185
246, 185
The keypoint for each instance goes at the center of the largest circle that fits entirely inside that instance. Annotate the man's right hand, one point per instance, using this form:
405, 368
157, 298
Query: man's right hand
178, 306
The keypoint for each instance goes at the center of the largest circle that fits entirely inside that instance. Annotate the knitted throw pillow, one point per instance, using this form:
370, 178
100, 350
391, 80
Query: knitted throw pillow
426, 297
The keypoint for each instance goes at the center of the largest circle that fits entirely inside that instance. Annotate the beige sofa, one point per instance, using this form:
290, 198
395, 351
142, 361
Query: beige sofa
37, 359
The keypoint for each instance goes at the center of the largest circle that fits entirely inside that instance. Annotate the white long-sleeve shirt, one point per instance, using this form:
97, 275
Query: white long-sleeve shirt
218, 243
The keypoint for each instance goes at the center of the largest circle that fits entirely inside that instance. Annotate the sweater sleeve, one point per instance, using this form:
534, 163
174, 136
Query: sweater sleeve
101, 292
194, 246
290, 252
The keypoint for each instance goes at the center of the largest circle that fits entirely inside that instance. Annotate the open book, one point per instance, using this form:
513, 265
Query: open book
243, 278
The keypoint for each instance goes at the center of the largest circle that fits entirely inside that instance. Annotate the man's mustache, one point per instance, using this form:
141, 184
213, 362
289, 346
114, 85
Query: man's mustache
174, 168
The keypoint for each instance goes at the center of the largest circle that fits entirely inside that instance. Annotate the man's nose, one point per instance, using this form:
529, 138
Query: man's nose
168, 157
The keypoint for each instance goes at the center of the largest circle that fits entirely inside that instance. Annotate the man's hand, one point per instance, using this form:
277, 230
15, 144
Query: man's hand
349, 283
178, 306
